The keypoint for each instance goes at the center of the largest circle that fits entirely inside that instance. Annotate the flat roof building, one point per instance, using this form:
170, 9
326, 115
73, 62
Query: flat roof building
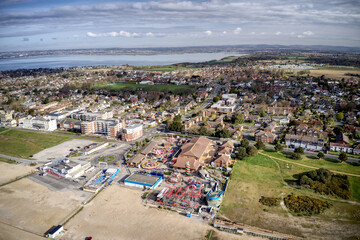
143, 180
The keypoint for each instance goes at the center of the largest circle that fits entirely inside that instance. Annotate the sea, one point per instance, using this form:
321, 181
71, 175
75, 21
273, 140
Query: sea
67, 61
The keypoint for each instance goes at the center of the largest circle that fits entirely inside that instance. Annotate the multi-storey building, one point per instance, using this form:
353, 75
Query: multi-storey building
132, 132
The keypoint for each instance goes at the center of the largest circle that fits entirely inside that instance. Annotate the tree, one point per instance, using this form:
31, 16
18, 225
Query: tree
237, 118
223, 133
260, 145
340, 116
299, 150
320, 155
203, 131
278, 147
296, 156
293, 123
342, 157
177, 126
177, 118
251, 151
241, 154
244, 143
216, 99
338, 130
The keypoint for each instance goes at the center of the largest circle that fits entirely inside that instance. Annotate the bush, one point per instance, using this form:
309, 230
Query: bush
296, 156
260, 145
320, 155
342, 157
304, 205
269, 201
278, 147
299, 150
241, 154
325, 182
251, 151
244, 143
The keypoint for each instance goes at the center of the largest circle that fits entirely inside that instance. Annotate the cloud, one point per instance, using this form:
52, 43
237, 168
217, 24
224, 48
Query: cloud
41, 40
53, 38
208, 32
25, 39
149, 34
224, 33
308, 33
300, 36
75, 36
114, 34
278, 33
238, 30
252, 33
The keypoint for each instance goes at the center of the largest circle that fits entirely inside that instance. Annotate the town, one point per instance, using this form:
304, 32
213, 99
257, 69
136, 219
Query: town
216, 141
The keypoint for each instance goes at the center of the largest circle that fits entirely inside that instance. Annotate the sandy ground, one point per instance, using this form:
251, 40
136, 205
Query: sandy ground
117, 213
33, 207
11, 233
61, 150
9, 172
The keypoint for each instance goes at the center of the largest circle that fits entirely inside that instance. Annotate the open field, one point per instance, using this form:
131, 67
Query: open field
20, 143
319, 163
10, 172
33, 207
168, 68
122, 86
262, 176
117, 213
8, 232
335, 72
61, 150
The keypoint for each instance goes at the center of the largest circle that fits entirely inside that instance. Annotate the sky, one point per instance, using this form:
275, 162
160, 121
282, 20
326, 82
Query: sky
72, 24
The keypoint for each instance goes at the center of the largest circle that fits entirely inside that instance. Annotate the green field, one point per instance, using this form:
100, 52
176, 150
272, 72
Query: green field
20, 143
168, 88
262, 176
162, 68
338, 68
312, 161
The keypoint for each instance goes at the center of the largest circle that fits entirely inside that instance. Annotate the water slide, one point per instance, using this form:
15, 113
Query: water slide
216, 196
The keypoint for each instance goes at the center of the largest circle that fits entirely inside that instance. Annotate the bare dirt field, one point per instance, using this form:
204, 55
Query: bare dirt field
61, 150
334, 74
28, 205
8, 232
117, 213
9, 172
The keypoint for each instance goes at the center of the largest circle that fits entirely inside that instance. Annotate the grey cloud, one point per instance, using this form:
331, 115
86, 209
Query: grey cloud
25, 39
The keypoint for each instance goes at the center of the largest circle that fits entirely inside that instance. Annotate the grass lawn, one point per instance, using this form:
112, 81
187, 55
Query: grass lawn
7, 160
126, 86
162, 68
20, 143
106, 159
3, 129
319, 163
348, 154
262, 176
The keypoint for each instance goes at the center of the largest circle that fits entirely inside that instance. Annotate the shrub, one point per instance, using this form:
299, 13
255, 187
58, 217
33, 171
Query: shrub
342, 157
278, 147
251, 151
304, 205
299, 150
325, 182
269, 201
320, 155
260, 145
296, 156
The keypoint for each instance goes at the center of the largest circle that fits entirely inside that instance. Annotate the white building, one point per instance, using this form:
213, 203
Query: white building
132, 132
40, 123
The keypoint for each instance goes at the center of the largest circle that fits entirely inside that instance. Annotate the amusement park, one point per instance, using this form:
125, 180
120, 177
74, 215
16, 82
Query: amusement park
184, 175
